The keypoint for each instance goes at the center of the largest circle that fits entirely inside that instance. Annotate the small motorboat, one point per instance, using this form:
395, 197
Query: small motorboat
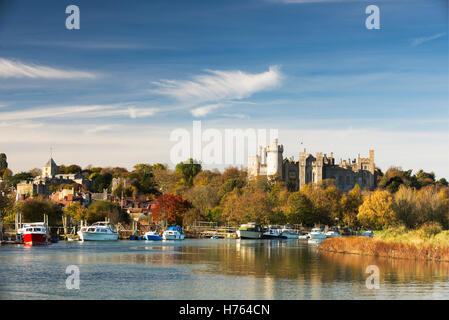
316, 234
34, 234
152, 236
173, 233
99, 231
332, 234
289, 233
214, 237
250, 231
273, 233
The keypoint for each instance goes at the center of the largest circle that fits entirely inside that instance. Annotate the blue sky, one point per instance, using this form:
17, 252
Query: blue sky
111, 92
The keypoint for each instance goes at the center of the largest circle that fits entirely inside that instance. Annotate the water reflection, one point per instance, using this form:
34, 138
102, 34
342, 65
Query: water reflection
212, 269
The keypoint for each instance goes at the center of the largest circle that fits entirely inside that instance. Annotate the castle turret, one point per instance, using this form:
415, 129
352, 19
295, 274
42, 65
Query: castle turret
274, 158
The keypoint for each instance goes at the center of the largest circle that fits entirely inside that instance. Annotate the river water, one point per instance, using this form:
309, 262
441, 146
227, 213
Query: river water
210, 269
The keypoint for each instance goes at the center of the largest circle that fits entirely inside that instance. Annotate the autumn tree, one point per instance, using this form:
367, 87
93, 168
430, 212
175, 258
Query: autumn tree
170, 209
349, 204
76, 211
376, 211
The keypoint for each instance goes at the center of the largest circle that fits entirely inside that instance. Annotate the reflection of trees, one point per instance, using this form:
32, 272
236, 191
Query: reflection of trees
350, 266
275, 260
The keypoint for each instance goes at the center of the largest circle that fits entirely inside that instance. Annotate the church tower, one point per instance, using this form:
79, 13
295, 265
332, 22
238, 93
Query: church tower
50, 169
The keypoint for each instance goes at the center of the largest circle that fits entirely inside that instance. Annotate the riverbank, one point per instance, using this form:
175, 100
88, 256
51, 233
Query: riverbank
400, 243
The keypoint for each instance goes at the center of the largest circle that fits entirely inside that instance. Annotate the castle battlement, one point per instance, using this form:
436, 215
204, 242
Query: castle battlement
312, 169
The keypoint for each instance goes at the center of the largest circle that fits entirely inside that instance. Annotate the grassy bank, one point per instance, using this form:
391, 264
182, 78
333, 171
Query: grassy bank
427, 243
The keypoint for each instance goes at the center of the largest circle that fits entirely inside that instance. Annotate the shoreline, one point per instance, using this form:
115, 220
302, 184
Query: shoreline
387, 249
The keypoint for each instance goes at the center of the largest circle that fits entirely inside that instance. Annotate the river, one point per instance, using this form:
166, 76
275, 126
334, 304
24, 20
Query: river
210, 269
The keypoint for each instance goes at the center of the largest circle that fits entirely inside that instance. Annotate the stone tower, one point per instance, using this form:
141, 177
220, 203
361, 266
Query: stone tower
302, 168
274, 159
50, 169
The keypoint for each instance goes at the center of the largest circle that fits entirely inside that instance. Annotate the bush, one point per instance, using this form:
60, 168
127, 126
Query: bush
430, 229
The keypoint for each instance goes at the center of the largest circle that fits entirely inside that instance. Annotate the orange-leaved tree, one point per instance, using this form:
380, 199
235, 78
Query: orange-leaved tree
170, 209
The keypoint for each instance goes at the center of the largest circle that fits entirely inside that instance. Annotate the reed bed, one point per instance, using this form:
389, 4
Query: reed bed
391, 247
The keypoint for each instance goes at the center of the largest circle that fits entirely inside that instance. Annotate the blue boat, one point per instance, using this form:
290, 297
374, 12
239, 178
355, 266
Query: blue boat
152, 235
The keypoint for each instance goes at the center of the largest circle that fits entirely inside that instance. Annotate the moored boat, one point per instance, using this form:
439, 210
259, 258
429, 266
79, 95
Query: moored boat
99, 231
273, 233
332, 234
250, 231
173, 233
35, 234
317, 234
289, 233
152, 235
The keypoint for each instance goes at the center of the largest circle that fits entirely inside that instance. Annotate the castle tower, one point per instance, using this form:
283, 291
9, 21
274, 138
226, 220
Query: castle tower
319, 167
372, 168
274, 159
50, 169
302, 168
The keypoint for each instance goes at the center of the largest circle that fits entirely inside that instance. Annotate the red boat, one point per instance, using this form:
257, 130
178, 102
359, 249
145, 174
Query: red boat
35, 234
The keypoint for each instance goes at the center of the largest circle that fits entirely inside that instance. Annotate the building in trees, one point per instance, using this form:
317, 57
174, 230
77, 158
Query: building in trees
42, 185
312, 169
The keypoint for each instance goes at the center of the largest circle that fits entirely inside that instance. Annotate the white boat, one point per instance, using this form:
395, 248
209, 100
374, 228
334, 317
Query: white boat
289, 233
173, 233
99, 231
35, 234
332, 234
250, 231
316, 234
315, 241
152, 235
273, 233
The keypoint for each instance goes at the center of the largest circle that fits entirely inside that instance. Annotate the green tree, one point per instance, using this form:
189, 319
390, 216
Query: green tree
300, 209
34, 210
21, 176
3, 163
100, 210
76, 211
188, 170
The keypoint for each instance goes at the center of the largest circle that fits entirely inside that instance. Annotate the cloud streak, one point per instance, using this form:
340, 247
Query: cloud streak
92, 111
419, 41
17, 69
219, 85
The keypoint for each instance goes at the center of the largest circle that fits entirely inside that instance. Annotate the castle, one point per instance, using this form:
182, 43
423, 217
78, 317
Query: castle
312, 169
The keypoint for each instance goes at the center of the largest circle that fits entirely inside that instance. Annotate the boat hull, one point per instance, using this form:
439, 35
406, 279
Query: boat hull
173, 237
273, 236
288, 235
152, 238
36, 239
245, 234
92, 236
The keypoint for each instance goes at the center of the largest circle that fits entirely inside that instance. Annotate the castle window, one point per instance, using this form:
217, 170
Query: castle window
313, 179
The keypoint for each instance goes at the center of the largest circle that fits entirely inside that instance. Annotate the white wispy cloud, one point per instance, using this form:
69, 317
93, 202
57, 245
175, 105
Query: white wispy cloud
18, 69
219, 85
92, 111
419, 41
204, 110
